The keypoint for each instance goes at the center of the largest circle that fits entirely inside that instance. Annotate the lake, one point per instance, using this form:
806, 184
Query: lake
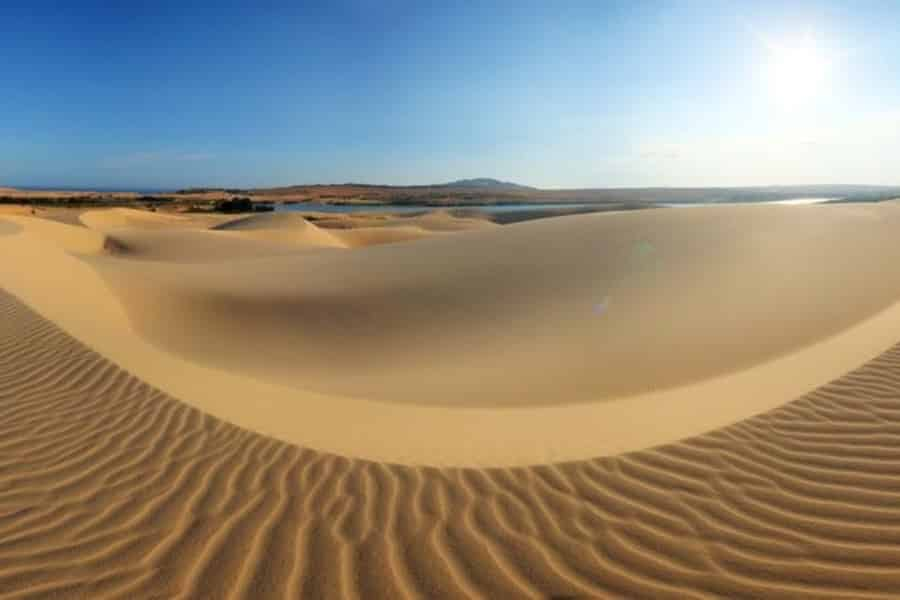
786, 201
500, 208
414, 208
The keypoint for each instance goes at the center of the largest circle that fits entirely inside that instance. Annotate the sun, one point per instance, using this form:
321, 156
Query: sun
796, 70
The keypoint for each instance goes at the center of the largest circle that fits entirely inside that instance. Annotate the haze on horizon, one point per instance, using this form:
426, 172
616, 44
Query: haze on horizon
578, 94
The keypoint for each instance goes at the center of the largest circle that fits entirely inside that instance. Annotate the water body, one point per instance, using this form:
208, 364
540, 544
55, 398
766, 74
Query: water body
802, 201
787, 201
500, 208
415, 208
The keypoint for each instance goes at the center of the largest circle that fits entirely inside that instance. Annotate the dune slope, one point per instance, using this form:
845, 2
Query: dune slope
285, 227
109, 488
549, 341
583, 309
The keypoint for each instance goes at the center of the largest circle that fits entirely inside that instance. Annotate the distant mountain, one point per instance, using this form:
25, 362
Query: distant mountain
491, 191
486, 182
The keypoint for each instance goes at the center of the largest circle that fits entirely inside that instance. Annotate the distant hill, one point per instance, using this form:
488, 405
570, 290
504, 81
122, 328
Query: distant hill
486, 182
465, 192
492, 191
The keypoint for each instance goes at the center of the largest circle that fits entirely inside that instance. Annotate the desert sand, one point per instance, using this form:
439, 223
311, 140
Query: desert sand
697, 403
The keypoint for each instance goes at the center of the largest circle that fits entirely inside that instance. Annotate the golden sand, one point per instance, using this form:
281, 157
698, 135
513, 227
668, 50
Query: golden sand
670, 404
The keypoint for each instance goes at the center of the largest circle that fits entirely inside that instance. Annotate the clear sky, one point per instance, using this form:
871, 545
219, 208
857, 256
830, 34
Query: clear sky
552, 94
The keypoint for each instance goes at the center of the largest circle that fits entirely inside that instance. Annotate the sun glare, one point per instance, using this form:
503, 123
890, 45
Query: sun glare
796, 70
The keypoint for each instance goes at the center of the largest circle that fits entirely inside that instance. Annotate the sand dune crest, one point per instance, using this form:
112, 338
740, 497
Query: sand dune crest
282, 227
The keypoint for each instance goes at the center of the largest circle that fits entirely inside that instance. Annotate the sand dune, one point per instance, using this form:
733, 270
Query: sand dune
368, 230
284, 227
14, 209
109, 488
69, 238
623, 330
358, 230
270, 221
117, 218
656, 300
447, 220
167, 389
371, 236
169, 238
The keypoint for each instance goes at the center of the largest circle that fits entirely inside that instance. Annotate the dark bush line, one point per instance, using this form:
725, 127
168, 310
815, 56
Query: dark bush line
202, 190
84, 201
239, 205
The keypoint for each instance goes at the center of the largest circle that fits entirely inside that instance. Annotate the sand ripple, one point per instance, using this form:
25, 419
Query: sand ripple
109, 488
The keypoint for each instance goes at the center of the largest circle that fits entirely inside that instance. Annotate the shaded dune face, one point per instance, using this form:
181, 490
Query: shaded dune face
8, 227
111, 489
118, 218
197, 247
567, 310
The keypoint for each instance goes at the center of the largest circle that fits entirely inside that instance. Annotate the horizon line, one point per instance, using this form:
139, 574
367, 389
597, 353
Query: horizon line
505, 184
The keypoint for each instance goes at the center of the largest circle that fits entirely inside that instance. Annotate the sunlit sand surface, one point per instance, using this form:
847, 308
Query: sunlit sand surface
661, 403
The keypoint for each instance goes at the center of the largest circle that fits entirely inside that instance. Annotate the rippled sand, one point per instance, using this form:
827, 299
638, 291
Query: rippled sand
111, 487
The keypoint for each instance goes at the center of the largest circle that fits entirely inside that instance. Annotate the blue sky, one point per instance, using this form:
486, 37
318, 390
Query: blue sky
551, 94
